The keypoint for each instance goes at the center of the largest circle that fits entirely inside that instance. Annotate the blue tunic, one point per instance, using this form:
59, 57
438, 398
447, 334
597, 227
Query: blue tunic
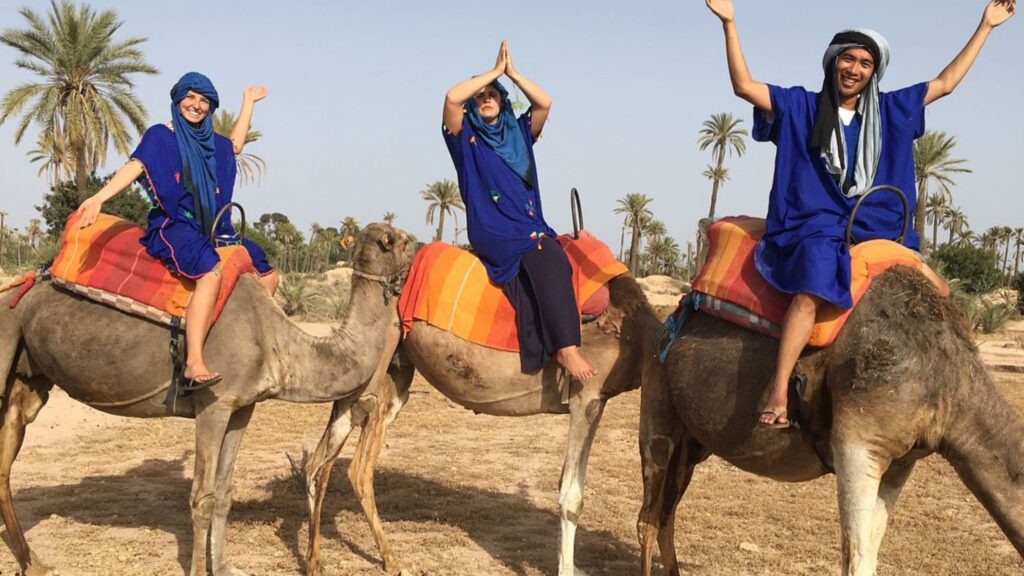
503, 215
804, 246
173, 235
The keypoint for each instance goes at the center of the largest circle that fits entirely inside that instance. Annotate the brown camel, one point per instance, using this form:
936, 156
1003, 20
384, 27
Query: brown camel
119, 364
489, 381
903, 380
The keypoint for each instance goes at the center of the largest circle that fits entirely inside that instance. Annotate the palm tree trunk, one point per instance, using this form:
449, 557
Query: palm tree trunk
715, 181
935, 232
1016, 258
952, 228
440, 226
1006, 254
81, 177
622, 240
919, 216
634, 249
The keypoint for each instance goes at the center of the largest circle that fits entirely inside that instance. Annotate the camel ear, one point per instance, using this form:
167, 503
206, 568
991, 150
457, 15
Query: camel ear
386, 241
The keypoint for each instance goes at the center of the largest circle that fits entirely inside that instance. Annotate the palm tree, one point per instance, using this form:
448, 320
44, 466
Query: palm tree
663, 256
84, 93
1005, 236
967, 238
722, 133
634, 206
444, 199
933, 161
1019, 234
654, 230
349, 227
250, 166
33, 232
956, 220
389, 217
936, 211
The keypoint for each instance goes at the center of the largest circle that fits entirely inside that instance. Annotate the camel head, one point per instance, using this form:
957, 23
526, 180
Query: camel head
383, 253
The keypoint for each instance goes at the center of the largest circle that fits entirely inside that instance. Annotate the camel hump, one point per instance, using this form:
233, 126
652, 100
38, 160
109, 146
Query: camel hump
106, 262
448, 288
730, 287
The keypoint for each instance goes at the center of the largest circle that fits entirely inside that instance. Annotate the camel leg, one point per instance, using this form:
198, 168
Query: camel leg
859, 472
318, 474
889, 490
364, 462
211, 427
584, 415
22, 403
222, 492
689, 456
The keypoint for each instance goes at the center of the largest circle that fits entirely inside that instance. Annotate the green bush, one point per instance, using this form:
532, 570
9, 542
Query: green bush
974, 267
1018, 285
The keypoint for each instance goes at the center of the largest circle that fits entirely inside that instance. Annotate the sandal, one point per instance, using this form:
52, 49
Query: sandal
779, 417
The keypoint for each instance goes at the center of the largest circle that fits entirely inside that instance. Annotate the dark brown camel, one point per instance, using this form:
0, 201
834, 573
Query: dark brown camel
903, 380
489, 381
119, 364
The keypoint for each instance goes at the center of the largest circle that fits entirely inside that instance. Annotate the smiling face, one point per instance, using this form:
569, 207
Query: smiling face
194, 107
854, 68
488, 103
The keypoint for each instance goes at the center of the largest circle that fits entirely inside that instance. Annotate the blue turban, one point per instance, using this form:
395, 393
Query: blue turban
504, 137
197, 148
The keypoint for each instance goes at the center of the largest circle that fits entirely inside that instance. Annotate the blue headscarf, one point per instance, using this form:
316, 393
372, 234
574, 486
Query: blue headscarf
504, 137
197, 148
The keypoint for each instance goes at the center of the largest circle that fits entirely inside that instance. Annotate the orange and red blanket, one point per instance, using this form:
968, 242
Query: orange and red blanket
448, 288
729, 274
106, 262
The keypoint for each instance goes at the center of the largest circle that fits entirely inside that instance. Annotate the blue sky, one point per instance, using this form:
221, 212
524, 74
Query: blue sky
352, 122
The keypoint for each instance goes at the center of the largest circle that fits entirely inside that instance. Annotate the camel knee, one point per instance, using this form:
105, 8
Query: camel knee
571, 505
222, 504
202, 509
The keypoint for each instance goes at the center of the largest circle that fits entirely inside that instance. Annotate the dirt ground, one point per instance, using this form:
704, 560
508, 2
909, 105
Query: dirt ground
464, 495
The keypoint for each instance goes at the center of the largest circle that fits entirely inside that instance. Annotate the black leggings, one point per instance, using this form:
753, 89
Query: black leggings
546, 313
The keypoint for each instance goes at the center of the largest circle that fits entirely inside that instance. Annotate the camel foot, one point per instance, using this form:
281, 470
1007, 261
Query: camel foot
228, 570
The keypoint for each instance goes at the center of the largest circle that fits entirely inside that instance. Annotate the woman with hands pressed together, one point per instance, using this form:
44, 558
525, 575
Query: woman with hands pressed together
188, 172
493, 154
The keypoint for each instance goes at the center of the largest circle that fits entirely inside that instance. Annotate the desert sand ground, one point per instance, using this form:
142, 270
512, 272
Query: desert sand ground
462, 495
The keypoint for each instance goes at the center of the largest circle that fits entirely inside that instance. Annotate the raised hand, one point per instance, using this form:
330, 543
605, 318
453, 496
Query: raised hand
502, 61
510, 70
999, 11
255, 93
722, 8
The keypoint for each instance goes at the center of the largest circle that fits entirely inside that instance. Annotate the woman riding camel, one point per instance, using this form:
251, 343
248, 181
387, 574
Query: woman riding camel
493, 155
831, 147
189, 173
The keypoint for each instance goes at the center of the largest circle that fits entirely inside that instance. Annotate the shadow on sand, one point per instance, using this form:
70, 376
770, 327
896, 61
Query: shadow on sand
154, 495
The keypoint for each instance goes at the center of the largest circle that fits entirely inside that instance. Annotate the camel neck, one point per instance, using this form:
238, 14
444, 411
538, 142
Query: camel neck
984, 442
310, 369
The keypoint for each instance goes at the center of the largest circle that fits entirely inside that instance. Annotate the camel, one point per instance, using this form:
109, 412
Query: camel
903, 380
119, 364
489, 381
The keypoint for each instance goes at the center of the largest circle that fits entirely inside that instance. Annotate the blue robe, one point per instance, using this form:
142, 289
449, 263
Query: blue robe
503, 215
804, 246
173, 235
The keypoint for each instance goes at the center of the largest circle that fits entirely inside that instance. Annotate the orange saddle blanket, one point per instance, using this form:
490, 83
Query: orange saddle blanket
448, 288
729, 275
106, 262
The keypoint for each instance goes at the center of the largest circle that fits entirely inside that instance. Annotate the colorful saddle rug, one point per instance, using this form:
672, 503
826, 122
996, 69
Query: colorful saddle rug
448, 288
730, 287
105, 262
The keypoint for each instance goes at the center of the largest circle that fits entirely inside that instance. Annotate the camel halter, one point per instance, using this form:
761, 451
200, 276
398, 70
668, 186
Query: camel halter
391, 282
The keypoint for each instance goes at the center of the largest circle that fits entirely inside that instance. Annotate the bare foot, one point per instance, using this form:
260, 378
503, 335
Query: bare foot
772, 414
572, 360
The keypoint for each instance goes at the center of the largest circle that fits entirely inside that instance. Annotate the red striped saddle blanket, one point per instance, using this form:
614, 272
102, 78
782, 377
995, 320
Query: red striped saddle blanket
448, 288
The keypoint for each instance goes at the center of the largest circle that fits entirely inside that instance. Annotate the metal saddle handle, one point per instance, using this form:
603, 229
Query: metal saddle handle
577, 213
220, 214
872, 190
